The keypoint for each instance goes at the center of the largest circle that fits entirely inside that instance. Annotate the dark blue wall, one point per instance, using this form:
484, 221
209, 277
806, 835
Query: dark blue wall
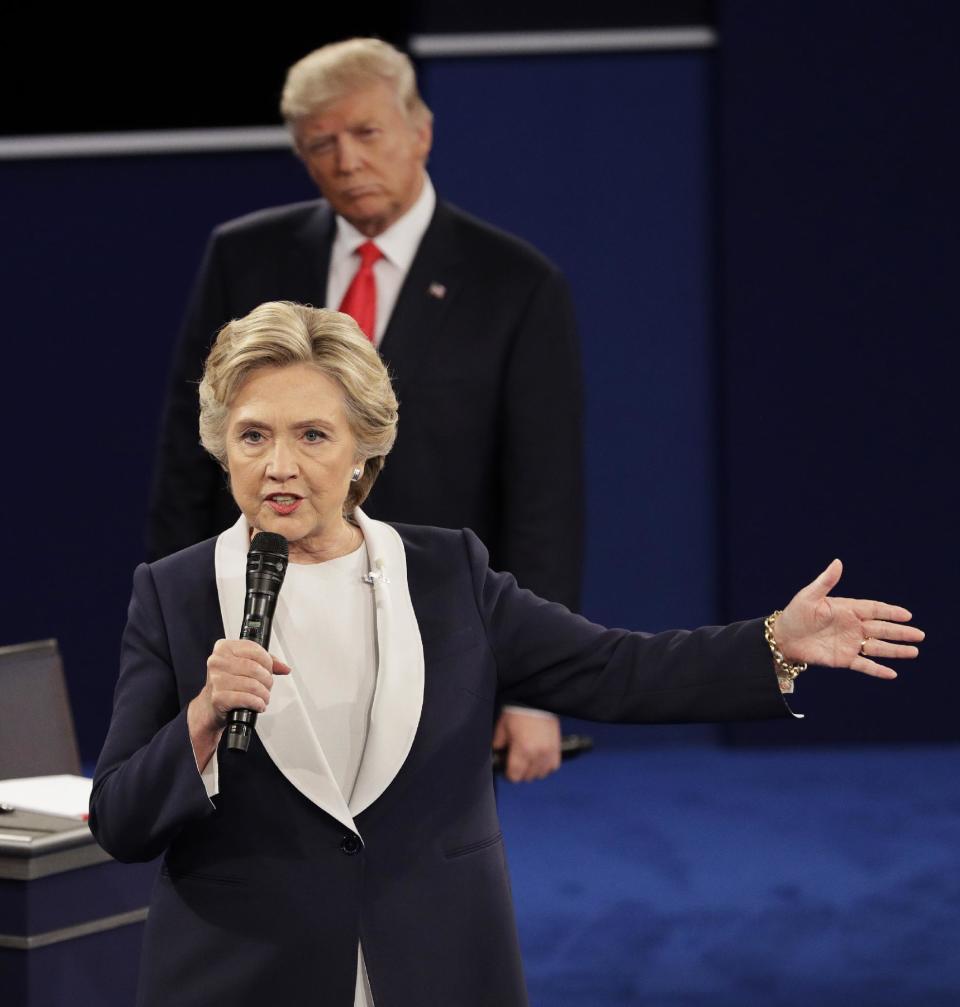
840, 238
605, 163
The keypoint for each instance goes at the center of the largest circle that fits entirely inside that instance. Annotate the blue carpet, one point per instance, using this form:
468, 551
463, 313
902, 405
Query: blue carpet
717, 878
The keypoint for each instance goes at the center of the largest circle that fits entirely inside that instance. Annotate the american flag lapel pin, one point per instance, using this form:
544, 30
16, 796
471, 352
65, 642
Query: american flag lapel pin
437, 290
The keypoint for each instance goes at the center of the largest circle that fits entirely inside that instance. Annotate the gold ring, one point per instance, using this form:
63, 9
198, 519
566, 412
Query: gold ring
863, 644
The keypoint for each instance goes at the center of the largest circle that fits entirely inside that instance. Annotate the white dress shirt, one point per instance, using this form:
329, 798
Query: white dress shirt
398, 243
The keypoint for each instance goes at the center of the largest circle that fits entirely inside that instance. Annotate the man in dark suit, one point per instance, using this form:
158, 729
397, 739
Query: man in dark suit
475, 325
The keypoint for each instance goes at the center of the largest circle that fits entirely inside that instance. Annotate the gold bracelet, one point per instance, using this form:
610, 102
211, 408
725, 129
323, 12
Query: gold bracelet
786, 671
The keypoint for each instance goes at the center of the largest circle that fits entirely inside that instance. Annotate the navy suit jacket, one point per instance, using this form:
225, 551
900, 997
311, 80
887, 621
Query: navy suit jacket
263, 896
483, 352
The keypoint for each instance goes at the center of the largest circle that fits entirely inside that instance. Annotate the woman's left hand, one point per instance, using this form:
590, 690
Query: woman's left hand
844, 632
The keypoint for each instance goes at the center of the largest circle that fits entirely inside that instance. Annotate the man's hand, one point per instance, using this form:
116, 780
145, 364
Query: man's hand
532, 741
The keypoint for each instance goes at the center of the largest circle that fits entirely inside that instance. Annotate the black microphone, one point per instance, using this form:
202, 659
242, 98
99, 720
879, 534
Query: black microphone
266, 568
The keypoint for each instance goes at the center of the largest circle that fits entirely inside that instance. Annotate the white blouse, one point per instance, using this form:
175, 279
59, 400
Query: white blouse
330, 637
330, 640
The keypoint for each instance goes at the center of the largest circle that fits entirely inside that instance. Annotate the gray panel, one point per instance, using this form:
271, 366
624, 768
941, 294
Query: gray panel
37, 737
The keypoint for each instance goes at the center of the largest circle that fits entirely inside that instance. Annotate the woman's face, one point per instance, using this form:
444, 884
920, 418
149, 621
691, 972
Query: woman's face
290, 454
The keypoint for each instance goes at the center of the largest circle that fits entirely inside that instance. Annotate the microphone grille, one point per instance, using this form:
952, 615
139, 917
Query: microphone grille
268, 541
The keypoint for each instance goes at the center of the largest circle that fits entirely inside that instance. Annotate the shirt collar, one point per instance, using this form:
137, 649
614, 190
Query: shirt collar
400, 241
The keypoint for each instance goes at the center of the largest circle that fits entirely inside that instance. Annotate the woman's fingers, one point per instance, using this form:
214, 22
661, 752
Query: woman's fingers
240, 675
248, 650
881, 630
240, 668
244, 649
240, 700
239, 685
865, 609
824, 583
881, 648
868, 667
279, 668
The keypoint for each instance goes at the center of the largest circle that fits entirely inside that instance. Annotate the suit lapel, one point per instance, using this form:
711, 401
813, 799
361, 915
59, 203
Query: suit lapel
429, 289
285, 730
398, 700
306, 259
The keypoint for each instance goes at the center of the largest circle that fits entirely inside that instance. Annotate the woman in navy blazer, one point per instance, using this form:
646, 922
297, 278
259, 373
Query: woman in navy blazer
275, 876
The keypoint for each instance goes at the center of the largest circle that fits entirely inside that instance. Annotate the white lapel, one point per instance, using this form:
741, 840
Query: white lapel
284, 728
398, 700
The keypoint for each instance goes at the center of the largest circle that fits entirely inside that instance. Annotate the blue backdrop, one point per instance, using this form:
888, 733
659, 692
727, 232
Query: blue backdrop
604, 163
761, 244
840, 238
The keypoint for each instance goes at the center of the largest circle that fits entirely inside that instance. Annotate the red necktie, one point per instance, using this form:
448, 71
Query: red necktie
360, 300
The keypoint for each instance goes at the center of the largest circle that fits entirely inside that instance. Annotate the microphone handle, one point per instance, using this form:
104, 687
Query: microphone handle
257, 623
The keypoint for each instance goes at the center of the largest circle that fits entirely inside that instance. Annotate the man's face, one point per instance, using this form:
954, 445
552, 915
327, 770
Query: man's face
366, 156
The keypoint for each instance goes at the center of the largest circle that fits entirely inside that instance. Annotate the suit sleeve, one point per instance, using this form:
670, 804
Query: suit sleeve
187, 482
551, 658
146, 786
542, 459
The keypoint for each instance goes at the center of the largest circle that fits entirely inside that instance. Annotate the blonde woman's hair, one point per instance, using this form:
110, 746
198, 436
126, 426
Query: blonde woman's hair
280, 333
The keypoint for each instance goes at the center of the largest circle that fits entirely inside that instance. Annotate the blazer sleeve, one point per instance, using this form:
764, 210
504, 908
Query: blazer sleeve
549, 657
187, 482
542, 455
146, 785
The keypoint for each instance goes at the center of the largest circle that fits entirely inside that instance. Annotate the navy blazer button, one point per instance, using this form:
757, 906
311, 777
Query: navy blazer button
350, 845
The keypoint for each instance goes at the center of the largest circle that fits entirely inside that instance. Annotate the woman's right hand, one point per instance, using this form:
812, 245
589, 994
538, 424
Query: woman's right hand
239, 677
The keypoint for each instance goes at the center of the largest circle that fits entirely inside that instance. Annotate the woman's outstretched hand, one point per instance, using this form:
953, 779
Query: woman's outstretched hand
844, 632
